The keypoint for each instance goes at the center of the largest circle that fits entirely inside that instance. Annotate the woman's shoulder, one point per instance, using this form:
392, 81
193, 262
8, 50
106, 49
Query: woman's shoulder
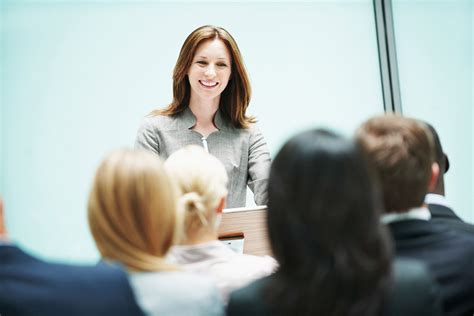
249, 300
251, 266
264, 261
251, 131
158, 121
179, 280
179, 292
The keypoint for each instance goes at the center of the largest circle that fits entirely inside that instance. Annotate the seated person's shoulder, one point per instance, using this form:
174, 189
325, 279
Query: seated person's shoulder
178, 293
414, 290
175, 283
253, 291
29, 285
244, 268
249, 300
160, 122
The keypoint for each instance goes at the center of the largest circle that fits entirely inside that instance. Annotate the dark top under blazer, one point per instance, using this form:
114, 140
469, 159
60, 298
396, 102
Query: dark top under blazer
29, 286
414, 293
448, 254
443, 214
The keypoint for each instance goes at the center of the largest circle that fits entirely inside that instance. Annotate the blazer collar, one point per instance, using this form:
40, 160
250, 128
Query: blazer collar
415, 228
442, 211
187, 120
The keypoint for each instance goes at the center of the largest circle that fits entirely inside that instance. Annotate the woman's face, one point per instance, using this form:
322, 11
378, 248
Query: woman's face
210, 70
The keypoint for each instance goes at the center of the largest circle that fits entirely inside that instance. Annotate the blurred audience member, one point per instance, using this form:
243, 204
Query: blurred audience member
334, 255
30, 286
202, 179
402, 151
132, 216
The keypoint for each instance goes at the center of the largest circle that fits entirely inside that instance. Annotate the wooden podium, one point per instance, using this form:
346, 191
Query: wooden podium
249, 222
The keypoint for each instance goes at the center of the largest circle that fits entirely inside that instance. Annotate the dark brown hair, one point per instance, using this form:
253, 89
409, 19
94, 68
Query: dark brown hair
236, 96
334, 255
402, 152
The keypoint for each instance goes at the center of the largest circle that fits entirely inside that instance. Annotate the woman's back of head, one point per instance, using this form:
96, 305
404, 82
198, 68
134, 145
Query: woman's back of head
323, 221
201, 180
131, 210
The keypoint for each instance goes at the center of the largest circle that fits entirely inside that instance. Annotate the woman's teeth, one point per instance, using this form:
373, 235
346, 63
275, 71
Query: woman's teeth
208, 83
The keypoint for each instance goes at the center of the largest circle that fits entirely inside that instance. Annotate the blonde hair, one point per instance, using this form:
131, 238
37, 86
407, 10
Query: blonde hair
201, 180
132, 210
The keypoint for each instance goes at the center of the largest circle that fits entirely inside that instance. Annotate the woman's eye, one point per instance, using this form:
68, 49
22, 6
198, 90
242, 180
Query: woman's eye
201, 62
222, 65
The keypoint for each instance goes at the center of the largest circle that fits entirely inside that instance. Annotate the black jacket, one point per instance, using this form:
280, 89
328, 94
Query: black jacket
443, 214
414, 293
29, 286
448, 254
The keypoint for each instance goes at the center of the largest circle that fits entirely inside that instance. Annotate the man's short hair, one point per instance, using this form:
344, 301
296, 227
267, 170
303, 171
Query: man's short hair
440, 157
402, 152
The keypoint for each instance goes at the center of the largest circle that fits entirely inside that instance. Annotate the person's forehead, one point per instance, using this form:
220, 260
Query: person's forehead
214, 48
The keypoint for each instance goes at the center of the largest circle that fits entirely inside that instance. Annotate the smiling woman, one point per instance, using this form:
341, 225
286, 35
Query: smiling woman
208, 75
211, 93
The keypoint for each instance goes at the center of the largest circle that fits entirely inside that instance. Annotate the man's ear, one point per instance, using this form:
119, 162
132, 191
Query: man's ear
220, 206
434, 177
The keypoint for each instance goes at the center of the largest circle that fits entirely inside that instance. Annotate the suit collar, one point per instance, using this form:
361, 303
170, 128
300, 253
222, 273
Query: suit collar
441, 211
415, 228
187, 120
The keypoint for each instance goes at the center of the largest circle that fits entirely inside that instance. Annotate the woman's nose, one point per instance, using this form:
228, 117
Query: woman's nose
210, 71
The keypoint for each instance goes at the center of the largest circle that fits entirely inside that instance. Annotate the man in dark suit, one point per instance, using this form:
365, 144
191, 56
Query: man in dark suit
29, 286
435, 199
402, 152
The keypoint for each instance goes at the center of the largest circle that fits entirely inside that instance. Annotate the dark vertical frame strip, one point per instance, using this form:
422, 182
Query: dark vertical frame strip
387, 55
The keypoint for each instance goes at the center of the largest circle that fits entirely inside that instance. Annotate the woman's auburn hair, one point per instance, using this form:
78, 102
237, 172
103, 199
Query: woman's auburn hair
236, 96
132, 210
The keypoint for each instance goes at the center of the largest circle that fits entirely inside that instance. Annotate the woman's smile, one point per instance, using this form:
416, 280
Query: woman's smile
208, 84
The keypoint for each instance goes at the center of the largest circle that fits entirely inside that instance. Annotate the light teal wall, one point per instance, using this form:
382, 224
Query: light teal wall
435, 51
79, 76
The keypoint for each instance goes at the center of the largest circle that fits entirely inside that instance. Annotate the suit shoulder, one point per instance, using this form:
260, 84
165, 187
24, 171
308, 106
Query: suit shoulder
159, 122
252, 291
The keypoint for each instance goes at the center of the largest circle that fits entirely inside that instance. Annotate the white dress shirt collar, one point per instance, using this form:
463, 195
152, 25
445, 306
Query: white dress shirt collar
415, 213
437, 199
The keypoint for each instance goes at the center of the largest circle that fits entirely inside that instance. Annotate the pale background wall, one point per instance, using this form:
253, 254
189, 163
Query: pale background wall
77, 77
434, 46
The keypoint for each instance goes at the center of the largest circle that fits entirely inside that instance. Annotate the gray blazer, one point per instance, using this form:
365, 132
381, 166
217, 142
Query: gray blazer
243, 152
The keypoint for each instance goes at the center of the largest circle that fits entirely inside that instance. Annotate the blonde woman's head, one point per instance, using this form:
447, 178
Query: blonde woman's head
132, 210
201, 180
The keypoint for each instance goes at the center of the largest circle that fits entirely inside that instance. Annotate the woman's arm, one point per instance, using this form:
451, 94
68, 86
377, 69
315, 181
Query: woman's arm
258, 166
147, 137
